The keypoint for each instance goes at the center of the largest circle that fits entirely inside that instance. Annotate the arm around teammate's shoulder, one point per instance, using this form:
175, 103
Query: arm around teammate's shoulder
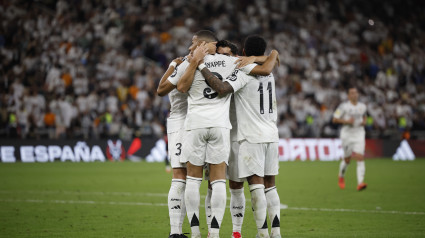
222, 88
166, 86
266, 68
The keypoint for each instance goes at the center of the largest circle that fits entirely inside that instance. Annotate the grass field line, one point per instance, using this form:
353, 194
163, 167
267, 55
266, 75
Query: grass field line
283, 206
92, 193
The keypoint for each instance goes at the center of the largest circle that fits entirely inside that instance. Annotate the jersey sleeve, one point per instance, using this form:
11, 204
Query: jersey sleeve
248, 68
339, 112
178, 72
237, 80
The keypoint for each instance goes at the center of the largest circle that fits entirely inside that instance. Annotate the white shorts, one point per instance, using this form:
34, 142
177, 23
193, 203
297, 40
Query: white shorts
175, 143
351, 145
232, 169
207, 145
258, 159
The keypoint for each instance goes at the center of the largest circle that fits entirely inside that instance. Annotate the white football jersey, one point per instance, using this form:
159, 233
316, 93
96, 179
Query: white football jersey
256, 108
348, 110
233, 120
178, 100
206, 108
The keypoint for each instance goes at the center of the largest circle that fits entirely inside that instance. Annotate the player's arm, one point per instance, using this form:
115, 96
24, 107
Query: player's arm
267, 67
187, 78
222, 88
243, 61
338, 115
342, 121
166, 86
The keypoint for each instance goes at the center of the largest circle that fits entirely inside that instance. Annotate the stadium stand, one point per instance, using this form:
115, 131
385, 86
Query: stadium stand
90, 69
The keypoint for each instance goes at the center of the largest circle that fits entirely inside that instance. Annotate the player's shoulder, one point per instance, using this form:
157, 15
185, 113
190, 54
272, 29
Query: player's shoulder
220, 57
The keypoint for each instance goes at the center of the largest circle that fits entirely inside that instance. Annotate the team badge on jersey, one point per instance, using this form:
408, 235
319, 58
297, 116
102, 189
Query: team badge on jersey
233, 76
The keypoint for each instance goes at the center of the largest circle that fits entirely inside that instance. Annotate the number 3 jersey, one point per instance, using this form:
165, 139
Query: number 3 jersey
256, 109
206, 108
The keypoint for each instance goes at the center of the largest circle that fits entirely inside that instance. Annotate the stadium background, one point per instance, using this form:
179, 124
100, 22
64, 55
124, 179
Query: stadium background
78, 83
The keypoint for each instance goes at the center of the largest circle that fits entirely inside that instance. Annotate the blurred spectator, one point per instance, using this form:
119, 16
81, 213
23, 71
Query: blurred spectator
91, 69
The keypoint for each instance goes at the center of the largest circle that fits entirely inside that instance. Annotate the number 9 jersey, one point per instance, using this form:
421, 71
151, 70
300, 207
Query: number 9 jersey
206, 109
256, 109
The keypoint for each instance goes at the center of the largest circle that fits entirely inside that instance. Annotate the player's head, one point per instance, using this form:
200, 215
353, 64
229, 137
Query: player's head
353, 94
208, 37
226, 47
254, 45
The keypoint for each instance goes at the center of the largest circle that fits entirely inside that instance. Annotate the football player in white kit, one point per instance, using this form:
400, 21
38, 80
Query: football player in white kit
352, 115
175, 130
258, 154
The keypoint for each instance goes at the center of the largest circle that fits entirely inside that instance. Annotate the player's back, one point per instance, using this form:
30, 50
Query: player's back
205, 107
256, 109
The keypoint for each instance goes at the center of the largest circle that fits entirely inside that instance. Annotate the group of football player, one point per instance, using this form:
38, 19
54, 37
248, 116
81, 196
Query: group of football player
222, 121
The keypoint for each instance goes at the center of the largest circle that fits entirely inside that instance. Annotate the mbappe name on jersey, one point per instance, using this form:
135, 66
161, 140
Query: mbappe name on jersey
220, 63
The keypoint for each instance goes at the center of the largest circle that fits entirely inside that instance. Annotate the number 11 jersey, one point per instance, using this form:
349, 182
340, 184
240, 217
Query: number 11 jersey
256, 109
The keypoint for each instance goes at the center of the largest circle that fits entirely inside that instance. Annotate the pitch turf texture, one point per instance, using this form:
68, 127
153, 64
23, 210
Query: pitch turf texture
130, 200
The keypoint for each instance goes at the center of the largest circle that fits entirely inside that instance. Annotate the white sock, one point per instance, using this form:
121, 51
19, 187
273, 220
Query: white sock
259, 208
176, 206
208, 208
192, 200
361, 169
237, 208
273, 208
342, 167
218, 204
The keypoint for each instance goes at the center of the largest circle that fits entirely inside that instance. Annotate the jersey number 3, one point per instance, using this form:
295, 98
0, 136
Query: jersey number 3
260, 89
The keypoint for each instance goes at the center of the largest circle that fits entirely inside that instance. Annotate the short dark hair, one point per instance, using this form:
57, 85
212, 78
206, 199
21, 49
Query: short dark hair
226, 43
255, 45
206, 35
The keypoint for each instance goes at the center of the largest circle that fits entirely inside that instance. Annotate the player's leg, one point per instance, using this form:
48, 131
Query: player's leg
192, 197
237, 206
218, 196
217, 156
273, 205
251, 163
358, 151
259, 204
348, 150
208, 197
237, 196
194, 152
176, 204
272, 197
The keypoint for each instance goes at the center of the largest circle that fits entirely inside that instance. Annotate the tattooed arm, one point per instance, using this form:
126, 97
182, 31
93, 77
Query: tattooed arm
222, 88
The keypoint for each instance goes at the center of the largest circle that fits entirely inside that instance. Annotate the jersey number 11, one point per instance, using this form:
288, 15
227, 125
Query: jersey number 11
260, 89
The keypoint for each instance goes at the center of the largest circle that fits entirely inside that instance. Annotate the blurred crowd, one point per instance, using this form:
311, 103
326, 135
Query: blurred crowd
90, 68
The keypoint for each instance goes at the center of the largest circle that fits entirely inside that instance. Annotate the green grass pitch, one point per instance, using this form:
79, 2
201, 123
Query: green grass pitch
126, 199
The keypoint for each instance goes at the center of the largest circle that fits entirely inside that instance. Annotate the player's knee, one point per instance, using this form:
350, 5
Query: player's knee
254, 179
269, 181
179, 173
235, 185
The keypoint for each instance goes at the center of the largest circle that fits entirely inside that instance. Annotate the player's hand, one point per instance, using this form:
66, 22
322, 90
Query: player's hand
178, 60
275, 53
243, 61
200, 52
